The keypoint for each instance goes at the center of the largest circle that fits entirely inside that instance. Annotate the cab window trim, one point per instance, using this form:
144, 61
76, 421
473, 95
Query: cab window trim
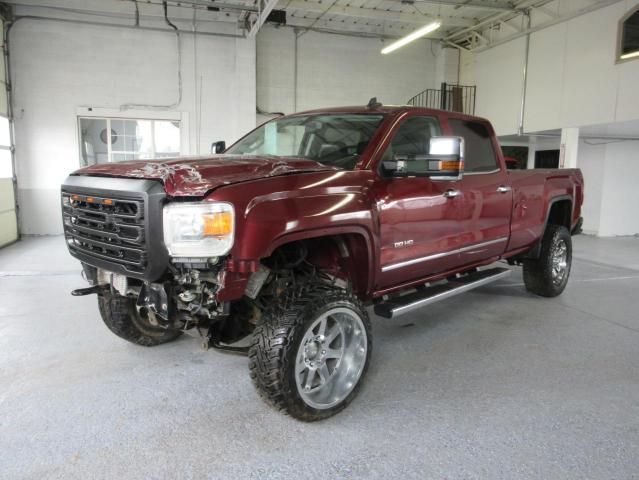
497, 167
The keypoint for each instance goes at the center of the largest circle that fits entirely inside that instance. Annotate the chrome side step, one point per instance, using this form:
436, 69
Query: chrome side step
396, 306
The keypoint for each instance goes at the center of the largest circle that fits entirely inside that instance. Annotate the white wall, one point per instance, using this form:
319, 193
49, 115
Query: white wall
620, 195
337, 70
466, 68
498, 74
592, 165
573, 79
59, 67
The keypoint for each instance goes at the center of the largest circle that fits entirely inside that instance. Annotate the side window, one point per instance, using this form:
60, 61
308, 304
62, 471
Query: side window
480, 155
413, 138
629, 36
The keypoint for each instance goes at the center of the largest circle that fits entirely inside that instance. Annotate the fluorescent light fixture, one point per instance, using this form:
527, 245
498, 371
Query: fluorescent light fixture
431, 27
630, 55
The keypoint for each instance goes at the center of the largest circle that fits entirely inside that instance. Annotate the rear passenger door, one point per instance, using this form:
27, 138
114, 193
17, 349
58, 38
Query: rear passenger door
485, 196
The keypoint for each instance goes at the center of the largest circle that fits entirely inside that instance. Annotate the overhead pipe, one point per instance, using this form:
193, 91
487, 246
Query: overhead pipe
178, 45
124, 25
520, 130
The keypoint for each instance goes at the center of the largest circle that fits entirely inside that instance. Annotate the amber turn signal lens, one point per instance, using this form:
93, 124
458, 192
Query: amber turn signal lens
107, 201
451, 165
216, 224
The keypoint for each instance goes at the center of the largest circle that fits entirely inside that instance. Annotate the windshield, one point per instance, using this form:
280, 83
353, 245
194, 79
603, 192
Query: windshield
337, 140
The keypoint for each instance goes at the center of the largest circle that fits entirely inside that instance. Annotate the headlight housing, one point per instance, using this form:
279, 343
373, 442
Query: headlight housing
199, 229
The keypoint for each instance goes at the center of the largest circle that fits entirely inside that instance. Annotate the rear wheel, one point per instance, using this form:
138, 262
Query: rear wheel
308, 358
121, 316
548, 275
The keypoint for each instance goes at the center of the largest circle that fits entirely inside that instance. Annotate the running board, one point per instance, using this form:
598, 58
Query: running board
396, 306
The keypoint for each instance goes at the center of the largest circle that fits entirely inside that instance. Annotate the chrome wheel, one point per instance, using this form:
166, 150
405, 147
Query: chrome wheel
559, 261
331, 358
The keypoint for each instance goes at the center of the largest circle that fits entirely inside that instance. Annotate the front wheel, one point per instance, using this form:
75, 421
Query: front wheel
548, 275
308, 357
122, 317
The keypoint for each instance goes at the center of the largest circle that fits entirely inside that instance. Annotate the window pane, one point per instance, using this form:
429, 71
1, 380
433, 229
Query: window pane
131, 139
5, 136
143, 134
6, 169
630, 36
93, 141
167, 138
480, 156
413, 136
332, 139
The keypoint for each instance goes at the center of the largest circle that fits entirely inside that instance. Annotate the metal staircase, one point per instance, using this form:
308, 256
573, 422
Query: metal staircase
450, 96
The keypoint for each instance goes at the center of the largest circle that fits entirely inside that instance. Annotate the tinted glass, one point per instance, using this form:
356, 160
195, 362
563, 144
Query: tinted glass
413, 138
478, 149
333, 139
630, 34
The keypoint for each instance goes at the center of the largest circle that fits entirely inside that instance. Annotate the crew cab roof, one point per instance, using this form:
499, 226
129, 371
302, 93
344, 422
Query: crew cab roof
386, 109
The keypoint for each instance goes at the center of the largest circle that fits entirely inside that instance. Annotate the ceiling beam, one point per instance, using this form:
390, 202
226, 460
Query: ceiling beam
501, 7
375, 14
262, 15
563, 18
495, 18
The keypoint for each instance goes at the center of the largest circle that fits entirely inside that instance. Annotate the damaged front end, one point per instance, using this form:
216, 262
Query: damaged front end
167, 258
186, 299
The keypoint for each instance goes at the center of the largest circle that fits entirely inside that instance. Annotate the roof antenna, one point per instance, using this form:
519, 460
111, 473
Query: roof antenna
373, 103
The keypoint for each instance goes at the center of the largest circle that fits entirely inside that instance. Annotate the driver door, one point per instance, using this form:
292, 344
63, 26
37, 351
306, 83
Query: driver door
421, 222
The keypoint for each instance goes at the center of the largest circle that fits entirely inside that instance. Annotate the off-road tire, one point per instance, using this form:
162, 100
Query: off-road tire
538, 273
122, 318
276, 341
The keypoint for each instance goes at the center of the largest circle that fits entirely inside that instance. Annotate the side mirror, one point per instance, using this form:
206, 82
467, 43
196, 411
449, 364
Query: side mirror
218, 147
444, 161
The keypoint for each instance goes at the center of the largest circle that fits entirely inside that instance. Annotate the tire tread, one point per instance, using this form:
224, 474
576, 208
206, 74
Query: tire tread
538, 273
273, 344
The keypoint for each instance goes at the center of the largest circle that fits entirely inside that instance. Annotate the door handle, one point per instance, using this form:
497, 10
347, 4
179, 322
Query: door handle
503, 189
452, 193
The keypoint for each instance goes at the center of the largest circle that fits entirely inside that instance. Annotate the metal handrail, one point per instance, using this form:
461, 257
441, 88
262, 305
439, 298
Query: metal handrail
450, 96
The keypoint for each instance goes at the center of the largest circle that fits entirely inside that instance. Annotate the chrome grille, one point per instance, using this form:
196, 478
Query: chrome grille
108, 228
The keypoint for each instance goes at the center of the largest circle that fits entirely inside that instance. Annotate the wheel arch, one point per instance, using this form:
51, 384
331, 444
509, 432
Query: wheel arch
352, 247
558, 212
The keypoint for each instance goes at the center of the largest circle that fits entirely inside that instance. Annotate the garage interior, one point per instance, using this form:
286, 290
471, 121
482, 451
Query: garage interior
495, 384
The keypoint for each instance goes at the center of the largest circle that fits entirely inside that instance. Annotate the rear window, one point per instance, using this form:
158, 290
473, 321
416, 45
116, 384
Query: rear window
479, 153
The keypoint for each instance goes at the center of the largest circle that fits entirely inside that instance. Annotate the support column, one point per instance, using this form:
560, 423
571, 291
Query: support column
569, 147
532, 148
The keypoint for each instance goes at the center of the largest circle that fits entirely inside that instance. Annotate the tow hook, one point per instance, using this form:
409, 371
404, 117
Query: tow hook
81, 292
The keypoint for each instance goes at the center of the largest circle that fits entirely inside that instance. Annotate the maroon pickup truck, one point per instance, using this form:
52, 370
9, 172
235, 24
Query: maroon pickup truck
283, 240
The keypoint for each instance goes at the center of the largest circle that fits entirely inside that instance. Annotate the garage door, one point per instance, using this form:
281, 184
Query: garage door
8, 222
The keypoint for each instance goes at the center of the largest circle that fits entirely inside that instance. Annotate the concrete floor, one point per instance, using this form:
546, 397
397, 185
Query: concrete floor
493, 384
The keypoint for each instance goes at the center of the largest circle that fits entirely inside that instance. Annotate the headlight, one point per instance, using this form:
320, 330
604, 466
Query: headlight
198, 229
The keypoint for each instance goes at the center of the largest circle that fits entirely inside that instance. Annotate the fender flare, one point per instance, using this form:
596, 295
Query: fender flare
535, 250
329, 232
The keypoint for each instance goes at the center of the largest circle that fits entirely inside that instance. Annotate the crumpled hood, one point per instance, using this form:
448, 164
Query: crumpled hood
196, 176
